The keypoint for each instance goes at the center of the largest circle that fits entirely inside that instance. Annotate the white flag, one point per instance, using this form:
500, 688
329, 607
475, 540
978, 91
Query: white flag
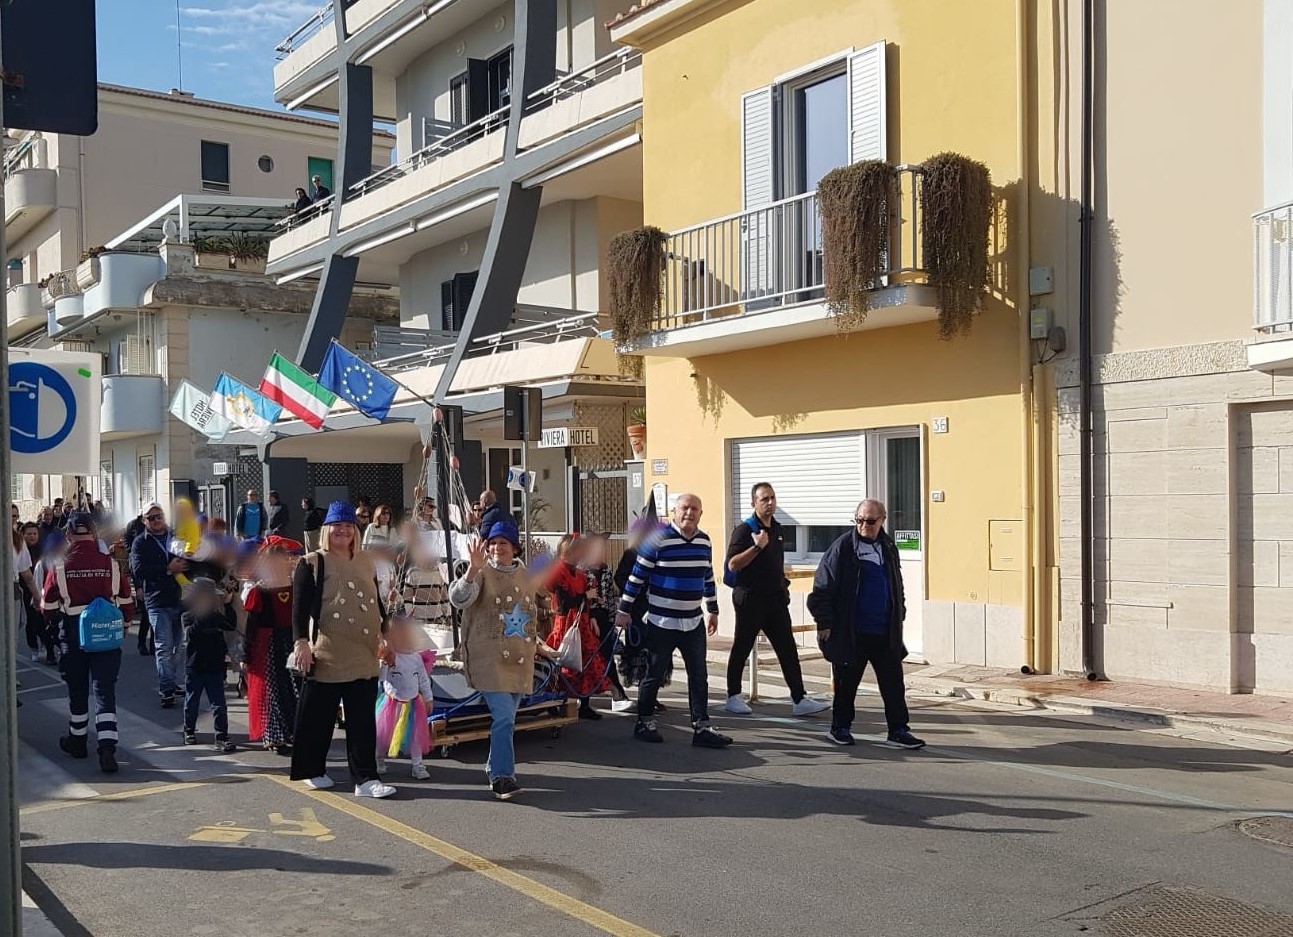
193, 407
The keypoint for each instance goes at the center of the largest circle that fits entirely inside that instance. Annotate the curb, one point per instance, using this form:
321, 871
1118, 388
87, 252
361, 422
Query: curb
1269, 732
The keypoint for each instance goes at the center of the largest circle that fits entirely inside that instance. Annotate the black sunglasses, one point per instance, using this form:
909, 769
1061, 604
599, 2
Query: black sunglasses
155, 517
868, 520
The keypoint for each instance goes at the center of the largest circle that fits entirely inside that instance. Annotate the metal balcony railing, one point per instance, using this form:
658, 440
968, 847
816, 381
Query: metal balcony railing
556, 327
1273, 269
442, 146
28, 154
605, 68
317, 21
773, 256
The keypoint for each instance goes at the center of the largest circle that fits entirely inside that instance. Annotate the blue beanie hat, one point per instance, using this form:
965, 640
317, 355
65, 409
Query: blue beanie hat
53, 540
507, 530
248, 547
340, 512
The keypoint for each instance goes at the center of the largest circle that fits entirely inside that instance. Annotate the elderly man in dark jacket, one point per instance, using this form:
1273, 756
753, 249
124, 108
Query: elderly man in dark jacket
859, 606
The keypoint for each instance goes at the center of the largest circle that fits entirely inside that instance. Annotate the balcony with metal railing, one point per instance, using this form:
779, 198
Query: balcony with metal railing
757, 277
30, 187
607, 86
1273, 269
447, 158
308, 46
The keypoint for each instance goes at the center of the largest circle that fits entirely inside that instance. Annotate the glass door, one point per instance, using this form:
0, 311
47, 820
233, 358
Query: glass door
896, 476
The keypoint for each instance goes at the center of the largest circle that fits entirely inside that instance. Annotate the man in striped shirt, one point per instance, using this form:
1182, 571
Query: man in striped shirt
675, 569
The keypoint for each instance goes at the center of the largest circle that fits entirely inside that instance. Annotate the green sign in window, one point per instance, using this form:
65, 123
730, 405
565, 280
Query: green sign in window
907, 539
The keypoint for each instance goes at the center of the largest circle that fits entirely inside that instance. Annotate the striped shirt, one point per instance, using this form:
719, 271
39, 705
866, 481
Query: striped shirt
676, 574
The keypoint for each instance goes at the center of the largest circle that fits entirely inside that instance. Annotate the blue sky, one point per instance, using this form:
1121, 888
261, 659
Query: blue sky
228, 45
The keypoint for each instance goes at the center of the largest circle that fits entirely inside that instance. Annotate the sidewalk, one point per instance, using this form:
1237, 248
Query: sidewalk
1267, 718
34, 922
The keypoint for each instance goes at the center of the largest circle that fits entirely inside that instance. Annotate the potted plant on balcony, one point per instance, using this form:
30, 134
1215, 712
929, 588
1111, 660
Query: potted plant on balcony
957, 197
87, 271
57, 285
636, 429
856, 203
244, 252
635, 274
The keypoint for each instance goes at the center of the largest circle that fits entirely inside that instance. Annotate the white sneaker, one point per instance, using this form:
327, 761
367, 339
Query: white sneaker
737, 706
420, 772
35, 657
809, 707
375, 789
621, 705
321, 783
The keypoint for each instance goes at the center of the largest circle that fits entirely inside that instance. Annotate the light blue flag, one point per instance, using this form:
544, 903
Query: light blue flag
244, 407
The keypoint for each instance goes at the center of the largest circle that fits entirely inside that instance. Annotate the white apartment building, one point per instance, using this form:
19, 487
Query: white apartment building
518, 158
69, 197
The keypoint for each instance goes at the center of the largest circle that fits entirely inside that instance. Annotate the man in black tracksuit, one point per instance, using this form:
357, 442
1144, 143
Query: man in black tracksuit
859, 606
756, 556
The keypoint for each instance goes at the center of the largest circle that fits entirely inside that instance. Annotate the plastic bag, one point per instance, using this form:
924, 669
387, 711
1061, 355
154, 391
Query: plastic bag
570, 653
101, 627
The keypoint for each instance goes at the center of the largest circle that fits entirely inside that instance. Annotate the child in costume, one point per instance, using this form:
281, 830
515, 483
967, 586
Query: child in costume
405, 700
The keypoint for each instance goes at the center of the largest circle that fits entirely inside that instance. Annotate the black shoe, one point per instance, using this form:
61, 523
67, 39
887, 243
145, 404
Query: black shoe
505, 788
708, 738
190, 738
108, 761
587, 712
284, 750
647, 732
167, 700
51, 659
74, 745
225, 747
661, 707
144, 651
840, 736
902, 738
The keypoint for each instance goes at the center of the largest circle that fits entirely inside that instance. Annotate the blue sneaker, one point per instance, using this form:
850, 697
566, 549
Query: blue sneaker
840, 736
902, 738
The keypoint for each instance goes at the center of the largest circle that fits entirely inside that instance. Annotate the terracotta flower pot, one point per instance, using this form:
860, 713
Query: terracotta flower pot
637, 438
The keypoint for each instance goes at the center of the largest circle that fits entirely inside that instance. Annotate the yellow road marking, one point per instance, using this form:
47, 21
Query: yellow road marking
115, 795
572, 907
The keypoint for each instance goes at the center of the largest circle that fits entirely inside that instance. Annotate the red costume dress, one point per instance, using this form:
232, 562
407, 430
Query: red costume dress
271, 689
569, 588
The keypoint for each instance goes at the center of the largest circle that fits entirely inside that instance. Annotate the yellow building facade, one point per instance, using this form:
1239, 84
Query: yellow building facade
744, 104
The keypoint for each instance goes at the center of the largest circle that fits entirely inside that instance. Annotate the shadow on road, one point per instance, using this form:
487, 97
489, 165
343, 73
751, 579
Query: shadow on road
192, 858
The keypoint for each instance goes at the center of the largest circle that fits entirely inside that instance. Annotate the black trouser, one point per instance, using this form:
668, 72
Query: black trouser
40, 634
145, 627
876, 650
316, 718
660, 645
212, 684
91, 671
771, 615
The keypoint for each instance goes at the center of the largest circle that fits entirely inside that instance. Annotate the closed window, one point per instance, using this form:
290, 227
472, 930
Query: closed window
499, 71
455, 297
147, 480
215, 166
458, 106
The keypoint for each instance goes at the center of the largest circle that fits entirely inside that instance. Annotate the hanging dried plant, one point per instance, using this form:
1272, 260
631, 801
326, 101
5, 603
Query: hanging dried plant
635, 275
956, 195
856, 203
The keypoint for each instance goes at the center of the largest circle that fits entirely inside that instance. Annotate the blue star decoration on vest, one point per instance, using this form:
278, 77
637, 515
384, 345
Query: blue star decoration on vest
514, 622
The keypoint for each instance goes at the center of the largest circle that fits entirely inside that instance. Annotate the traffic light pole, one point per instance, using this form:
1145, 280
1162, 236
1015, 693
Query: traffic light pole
10, 858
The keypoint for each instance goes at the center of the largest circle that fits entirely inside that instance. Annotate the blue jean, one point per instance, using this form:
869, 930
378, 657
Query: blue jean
501, 762
212, 684
168, 637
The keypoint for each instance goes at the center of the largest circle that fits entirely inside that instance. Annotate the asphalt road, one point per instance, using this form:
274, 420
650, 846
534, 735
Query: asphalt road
1010, 823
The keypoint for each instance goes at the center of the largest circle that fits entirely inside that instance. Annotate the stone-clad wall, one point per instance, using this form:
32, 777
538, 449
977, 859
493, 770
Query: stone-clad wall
1193, 488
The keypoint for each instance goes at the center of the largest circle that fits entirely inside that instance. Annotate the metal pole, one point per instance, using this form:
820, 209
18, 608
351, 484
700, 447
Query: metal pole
525, 489
443, 465
10, 857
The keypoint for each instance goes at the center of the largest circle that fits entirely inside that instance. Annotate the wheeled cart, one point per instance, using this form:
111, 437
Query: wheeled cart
460, 715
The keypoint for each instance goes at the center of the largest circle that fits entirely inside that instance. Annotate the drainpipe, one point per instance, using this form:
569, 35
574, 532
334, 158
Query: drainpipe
1087, 526
1019, 233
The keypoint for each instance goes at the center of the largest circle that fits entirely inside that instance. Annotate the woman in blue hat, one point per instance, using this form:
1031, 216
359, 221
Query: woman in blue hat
338, 621
499, 640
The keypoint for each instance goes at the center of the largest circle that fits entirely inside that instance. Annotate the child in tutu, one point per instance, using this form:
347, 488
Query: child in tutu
405, 700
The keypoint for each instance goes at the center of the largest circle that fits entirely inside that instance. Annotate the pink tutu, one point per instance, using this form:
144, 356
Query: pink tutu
402, 726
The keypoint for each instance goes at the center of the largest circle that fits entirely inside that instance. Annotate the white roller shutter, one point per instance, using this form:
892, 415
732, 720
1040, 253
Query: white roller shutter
819, 479
868, 134
758, 188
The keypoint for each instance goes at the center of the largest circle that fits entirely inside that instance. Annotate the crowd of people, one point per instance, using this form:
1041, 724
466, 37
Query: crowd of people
342, 628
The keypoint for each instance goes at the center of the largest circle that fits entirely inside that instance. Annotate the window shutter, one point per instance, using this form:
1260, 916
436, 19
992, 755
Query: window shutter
757, 148
818, 479
868, 133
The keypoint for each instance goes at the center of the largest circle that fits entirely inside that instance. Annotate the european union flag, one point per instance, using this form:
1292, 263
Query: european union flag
351, 378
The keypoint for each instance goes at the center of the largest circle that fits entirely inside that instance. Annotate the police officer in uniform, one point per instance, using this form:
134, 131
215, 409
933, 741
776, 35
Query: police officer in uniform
84, 575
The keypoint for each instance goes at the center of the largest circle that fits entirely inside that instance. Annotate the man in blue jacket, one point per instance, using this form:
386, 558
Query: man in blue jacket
859, 606
152, 565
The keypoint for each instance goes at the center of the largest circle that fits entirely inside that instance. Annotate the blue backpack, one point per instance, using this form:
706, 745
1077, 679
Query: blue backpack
102, 626
729, 575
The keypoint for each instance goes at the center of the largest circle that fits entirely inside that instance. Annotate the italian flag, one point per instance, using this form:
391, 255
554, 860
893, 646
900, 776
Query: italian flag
295, 391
